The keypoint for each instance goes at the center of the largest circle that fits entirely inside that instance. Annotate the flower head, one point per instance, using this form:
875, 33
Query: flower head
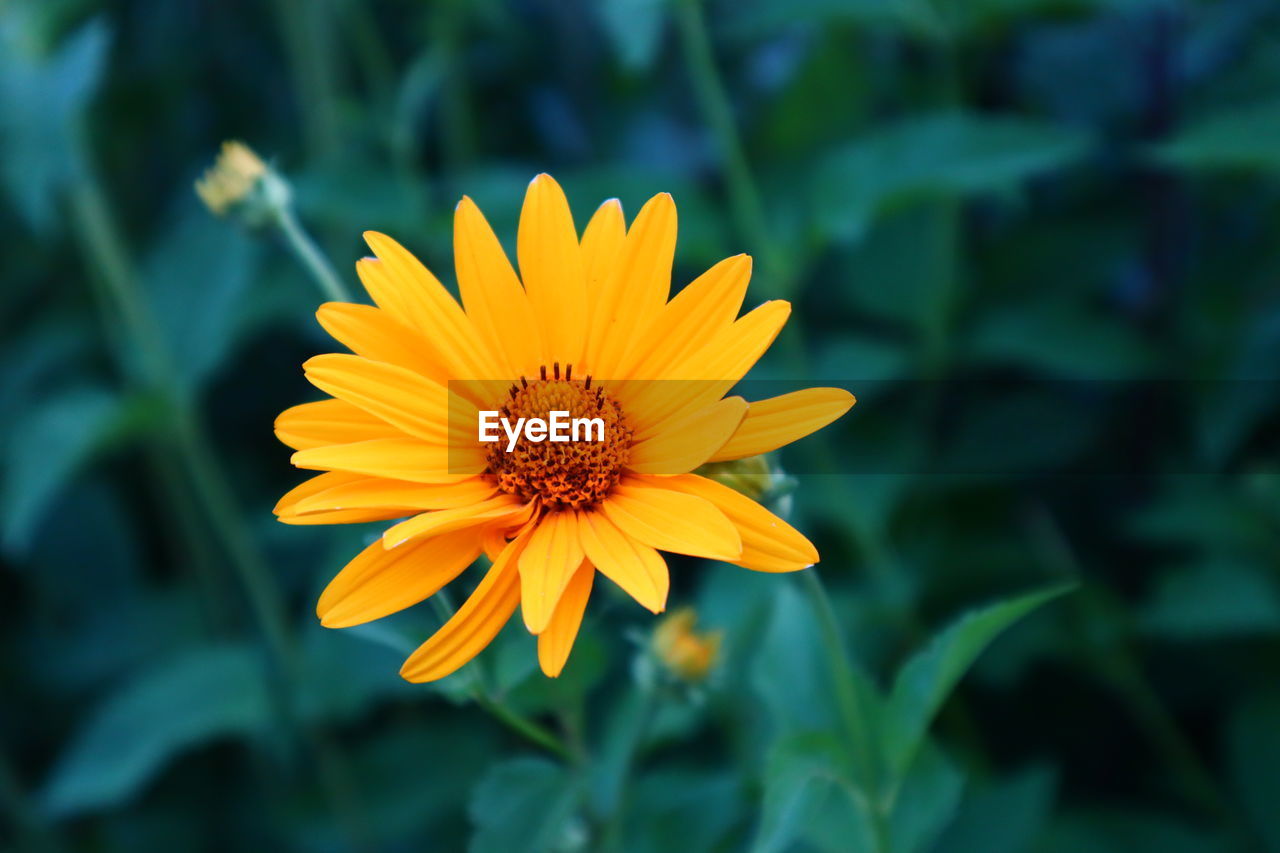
688, 654
587, 328
239, 181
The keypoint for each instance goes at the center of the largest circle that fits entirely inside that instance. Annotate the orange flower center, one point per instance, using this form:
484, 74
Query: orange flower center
563, 474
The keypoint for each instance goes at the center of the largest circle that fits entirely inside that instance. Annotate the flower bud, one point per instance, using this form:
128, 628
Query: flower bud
240, 184
686, 653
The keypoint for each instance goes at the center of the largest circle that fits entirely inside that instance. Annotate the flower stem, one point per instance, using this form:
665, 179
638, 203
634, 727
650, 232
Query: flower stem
744, 193
854, 712
316, 264
481, 695
104, 248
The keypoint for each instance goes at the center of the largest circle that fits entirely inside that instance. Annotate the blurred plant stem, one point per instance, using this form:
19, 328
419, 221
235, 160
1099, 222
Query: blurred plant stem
110, 267
493, 705
306, 29
744, 193
457, 128
854, 711
619, 760
312, 259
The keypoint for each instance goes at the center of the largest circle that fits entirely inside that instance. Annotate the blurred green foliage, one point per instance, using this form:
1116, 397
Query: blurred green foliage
969, 192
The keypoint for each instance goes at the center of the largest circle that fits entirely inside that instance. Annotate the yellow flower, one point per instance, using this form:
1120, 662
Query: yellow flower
587, 327
231, 179
688, 654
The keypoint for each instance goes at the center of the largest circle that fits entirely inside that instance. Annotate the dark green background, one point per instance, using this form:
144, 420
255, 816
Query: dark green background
990, 195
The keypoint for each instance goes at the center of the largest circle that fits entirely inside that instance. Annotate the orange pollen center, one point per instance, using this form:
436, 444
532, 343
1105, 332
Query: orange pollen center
562, 474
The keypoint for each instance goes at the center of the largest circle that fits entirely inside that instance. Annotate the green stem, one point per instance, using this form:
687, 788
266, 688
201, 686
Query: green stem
854, 712
305, 27
482, 696
645, 707
744, 193
105, 250
316, 264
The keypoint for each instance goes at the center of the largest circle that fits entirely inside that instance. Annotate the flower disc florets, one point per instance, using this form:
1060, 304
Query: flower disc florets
564, 474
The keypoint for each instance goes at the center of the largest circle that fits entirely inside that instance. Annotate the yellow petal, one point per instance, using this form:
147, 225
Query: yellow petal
398, 396
556, 641
395, 458
379, 582
552, 554
699, 312
684, 444
769, 544
329, 422
602, 241
399, 283
377, 335
672, 521
446, 520
637, 568
344, 516
475, 624
634, 293
551, 268
705, 376
377, 492
492, 294
778, 421
309, 488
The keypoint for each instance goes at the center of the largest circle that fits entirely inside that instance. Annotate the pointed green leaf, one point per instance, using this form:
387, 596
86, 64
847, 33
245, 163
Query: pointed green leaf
926, 680
198, 695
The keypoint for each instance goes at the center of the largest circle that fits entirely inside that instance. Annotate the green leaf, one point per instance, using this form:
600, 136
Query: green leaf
524, 804
940, 155
42, 99
1214, 600
1005, 817
194, 697
806, 794
44, 451
634, 28
1241, 138
196, 279
926, 680
925, 803
790, 670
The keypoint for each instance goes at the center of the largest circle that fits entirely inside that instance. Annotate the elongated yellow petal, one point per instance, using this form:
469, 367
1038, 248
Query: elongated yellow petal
636, 289
395, 458
672, 521
311, 487
379, 582
778, 421
399, 283
551, 268
397, 395
556, 641
705, 376
635, 567
343, 516
377, 335
602, 241
377, 492
446, 520
686, 443
328, 422
475, 624
769, 544
552, 554
697, 314
492, 294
